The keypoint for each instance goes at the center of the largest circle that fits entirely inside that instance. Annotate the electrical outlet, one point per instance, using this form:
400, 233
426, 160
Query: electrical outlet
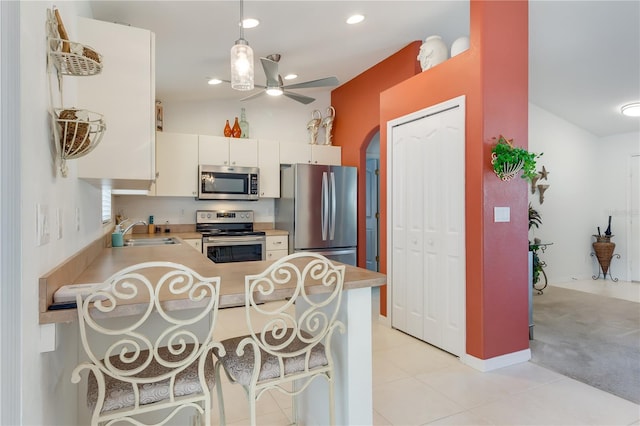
59, 223
42, 224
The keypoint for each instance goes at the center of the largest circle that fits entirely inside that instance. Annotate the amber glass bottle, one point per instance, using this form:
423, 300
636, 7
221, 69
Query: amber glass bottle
236, 132
227, 129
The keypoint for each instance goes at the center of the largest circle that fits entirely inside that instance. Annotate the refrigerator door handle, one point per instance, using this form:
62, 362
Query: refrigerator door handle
324, 212
332, 218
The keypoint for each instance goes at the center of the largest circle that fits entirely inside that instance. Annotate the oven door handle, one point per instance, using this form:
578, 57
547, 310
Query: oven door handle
234, 239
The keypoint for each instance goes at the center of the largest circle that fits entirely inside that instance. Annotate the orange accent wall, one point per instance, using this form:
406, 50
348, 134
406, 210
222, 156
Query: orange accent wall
493, 75
357, 105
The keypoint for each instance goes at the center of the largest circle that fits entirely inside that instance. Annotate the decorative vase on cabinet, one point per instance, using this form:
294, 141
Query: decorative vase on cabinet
432, 52
227, 130
236, 132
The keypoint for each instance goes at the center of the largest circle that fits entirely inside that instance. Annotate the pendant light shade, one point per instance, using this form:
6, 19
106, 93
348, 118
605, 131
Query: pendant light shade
241, 60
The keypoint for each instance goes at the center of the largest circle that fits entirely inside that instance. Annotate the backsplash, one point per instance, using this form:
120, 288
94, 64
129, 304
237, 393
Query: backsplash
181, 210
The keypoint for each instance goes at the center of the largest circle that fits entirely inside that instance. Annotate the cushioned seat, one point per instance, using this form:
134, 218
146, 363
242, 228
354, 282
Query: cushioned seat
241, 367
119, 394
149, 359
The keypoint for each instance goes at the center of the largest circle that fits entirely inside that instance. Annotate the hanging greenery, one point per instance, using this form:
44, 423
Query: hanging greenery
508, 160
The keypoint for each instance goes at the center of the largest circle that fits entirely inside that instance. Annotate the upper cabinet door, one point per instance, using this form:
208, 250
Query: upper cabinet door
243, 152
269, 164
213, 150
125, 94
222, 151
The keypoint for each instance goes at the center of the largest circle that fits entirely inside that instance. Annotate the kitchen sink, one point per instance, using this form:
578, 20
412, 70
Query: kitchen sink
137, 242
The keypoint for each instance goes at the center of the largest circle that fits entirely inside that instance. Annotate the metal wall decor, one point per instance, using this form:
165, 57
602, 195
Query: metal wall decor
543, 174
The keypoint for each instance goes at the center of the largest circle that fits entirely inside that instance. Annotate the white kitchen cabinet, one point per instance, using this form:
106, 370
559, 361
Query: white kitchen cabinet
277, 246
176, 165
269, 164
221, 151
194, 242
124, 92
295, 153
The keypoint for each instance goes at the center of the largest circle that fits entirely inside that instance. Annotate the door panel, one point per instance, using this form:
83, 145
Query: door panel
427, 225
372, 214
308, 206
344, 193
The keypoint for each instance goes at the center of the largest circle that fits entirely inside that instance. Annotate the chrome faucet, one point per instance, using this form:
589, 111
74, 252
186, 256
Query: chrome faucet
141, 222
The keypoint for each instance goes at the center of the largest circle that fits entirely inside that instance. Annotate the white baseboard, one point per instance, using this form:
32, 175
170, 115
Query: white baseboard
497, 362
384, 320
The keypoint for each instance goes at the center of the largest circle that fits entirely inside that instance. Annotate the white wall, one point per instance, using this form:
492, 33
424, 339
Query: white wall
587, 184
271, 118
48, 396
613, 186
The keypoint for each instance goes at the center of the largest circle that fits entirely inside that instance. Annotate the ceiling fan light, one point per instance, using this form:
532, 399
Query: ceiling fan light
631, 110
290, 76
241, 66
274, 91
214, 81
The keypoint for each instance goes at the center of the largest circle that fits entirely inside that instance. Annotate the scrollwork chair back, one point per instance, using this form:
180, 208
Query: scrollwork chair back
155, 358
289, 339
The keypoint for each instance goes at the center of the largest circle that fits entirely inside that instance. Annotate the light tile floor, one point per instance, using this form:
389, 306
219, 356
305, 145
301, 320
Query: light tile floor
415, 383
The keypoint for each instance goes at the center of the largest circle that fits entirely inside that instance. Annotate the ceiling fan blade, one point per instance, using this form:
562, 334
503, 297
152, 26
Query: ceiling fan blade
255, 95
322, 82
270, 71
297, 97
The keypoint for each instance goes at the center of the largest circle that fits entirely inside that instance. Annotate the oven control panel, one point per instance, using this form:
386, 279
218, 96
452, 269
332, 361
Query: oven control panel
224, 216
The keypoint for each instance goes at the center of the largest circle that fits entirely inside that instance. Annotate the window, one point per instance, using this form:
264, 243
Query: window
106, 205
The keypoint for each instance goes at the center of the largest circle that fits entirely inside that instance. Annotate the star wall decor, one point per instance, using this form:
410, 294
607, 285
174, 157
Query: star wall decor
543, 174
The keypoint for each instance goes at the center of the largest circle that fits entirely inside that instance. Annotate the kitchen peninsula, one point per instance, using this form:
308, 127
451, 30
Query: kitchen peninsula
352, 349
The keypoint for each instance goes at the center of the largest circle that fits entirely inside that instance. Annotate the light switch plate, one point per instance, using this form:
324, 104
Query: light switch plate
42, 224
502, 214
59, 223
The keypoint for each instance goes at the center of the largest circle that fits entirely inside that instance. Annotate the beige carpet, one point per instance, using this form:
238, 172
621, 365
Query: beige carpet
593, 339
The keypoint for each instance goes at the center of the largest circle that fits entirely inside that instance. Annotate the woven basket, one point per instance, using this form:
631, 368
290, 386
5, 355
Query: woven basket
604, 254
79, 131
80, 61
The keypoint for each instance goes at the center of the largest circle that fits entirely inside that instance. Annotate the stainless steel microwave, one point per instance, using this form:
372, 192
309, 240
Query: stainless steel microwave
228, 183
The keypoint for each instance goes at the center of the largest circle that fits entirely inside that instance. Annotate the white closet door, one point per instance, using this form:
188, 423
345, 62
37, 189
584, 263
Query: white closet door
427, 225
398, 236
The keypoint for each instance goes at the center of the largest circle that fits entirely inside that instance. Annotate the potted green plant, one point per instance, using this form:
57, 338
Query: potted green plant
508, 160
535, 220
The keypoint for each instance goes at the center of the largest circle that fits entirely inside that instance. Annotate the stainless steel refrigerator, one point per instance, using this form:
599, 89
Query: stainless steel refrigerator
318, 207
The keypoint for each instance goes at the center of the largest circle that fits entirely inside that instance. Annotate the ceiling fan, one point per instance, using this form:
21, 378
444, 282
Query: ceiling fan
275, 86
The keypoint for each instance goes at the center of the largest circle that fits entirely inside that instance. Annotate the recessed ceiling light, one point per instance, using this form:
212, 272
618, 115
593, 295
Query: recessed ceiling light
290, 76
355, 19
631, 110
214, 81
250, 23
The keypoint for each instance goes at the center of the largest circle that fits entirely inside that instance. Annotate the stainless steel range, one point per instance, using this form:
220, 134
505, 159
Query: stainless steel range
228, 236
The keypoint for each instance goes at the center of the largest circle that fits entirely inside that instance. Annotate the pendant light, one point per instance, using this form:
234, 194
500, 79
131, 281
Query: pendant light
241, 60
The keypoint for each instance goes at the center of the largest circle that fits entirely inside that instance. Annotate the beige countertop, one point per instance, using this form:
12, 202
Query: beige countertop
275, 232
111, 260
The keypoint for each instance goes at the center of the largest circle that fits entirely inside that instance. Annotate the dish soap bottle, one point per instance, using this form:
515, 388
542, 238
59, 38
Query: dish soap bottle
244, 125
117, 239
235, 130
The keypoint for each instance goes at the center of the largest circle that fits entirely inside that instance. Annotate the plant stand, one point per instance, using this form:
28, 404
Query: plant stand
603, 251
